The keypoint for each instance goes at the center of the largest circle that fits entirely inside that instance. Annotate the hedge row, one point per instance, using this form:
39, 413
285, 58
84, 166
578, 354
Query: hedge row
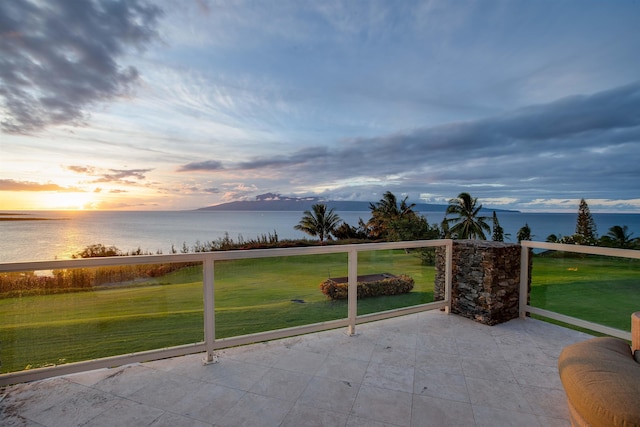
79, 279
391, 286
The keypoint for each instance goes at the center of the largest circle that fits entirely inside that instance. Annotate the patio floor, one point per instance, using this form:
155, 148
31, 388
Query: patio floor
427, 369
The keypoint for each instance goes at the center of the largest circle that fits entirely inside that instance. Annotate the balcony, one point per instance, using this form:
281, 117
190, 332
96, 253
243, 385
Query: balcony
415, 365
422, 369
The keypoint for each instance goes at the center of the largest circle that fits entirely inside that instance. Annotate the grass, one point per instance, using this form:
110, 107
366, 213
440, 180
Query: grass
284, 292
603, 290
271, 293
250, 296
43, 330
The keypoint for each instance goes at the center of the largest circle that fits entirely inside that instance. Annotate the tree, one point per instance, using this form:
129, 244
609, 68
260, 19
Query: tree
97, 251
320, 222
552, 238
524, 233
618, 237
498, 232
585, 227
387, 213
467, 224
346, 231
412, 227
446, 231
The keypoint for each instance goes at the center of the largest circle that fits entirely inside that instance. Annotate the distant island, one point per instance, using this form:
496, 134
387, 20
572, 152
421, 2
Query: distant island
23, 217
277, 202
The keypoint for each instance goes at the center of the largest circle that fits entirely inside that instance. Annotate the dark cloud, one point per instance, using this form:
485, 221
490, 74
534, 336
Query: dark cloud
569, 145
568, 126
211, 190
207, 165
59, 57
13, 185
300, 157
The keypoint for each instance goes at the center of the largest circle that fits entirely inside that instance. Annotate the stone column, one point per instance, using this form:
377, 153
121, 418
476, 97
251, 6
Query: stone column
485, 280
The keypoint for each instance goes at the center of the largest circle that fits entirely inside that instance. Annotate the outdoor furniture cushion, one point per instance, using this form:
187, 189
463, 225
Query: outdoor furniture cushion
602, 382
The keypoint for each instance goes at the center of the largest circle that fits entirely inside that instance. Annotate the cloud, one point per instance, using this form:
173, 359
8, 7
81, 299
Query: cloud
565, 146
118, 176
121, 175
300, 157
114, 205
207, 165
89, 170
112, 175
237, 191
58, 58
13, 185
499, 201
608, 205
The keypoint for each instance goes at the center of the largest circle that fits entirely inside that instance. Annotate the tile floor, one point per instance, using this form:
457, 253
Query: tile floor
427, 369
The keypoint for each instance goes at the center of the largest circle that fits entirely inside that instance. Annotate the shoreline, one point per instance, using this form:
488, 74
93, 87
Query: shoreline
28, 240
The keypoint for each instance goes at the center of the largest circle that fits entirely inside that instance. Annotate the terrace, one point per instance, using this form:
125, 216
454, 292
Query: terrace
416, 365
422, 369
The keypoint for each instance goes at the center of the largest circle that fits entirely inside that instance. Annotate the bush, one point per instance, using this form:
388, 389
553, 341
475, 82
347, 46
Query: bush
389, 286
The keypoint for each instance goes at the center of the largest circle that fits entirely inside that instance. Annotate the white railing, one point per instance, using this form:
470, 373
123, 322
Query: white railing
591, 250
210, 343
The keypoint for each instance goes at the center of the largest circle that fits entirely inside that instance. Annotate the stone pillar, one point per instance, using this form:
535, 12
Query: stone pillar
485, 280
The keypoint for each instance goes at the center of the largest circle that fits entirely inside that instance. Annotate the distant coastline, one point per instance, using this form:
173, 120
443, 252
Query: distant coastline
300, 205
23, 217
161, 230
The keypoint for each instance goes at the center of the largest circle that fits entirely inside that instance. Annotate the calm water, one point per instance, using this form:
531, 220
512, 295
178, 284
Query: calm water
70, 232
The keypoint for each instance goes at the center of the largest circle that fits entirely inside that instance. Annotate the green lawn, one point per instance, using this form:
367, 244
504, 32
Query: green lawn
260, 295
250, 296
603, 290
40, 330
271, 293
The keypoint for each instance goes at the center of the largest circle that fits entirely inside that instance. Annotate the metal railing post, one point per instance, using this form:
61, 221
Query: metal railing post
524, 280
209, 311
352, 290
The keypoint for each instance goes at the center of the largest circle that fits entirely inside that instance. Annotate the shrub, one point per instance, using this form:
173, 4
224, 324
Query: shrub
389, 286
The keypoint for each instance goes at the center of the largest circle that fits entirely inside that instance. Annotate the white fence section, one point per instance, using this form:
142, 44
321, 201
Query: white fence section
208, 260
591, 250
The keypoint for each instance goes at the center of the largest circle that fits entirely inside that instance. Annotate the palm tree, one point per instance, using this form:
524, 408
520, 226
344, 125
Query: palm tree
467, 224
524, 233
386, 212
619, 237
320, 222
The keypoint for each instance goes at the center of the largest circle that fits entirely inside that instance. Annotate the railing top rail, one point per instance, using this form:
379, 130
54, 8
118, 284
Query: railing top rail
592, 250
216, 255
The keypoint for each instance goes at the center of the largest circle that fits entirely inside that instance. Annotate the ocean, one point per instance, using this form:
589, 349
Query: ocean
65, 233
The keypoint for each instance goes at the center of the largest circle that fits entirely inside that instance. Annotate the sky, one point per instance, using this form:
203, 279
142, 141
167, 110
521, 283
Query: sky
179, 104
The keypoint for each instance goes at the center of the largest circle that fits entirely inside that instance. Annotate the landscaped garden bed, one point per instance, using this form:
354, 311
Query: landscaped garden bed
370, 285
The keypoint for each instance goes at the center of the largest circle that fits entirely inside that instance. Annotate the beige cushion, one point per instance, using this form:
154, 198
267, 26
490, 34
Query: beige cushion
602, 381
